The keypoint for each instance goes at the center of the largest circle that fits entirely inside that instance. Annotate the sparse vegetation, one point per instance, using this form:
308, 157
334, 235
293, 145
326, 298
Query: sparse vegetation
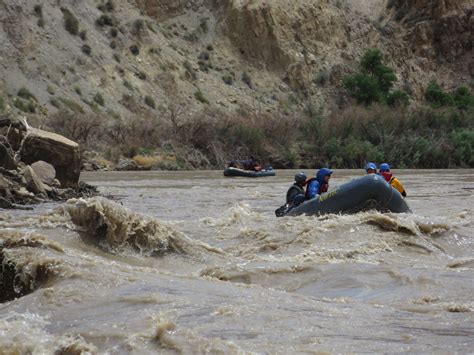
26, 94
138, 27
191, 73
228, 79
203, 25
71, 105
78, 90
106, 20
83, 35
107, 7
199, 95
24, 105
128, 85
86, 49
71, 24
116, 57
150, 102
2, 104
50, 90
247, 79
38, 12
99, 99
321, 78
134, 49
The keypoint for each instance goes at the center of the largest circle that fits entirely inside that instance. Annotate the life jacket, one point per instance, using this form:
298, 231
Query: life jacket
293, 191
394, 182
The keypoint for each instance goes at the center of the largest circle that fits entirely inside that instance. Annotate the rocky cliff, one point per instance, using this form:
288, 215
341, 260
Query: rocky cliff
128, 59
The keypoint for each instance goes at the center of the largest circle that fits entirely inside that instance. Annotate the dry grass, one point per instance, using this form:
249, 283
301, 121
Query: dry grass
148, 161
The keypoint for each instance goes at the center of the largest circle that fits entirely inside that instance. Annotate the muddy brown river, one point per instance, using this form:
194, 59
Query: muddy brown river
193, 263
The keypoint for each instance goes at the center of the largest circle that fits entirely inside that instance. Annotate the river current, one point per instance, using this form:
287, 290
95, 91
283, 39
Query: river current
193, 262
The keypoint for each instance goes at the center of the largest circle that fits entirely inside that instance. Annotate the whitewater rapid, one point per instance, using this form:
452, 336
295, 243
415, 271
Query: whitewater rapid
192, 262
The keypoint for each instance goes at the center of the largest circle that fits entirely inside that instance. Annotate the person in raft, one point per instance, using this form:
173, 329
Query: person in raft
251, 164
384, 170
371, 168
295, 194
319, 184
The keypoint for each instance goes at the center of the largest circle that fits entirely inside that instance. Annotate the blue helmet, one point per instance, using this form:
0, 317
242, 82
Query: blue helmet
322, 173
384, 167
300, 178
371, 166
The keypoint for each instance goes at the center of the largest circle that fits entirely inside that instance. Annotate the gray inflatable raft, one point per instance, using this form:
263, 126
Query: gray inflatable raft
370, 192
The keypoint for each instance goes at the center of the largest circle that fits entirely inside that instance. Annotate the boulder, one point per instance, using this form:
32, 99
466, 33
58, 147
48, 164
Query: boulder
57, 150
33, 182
6, 157
45, 171
125, 164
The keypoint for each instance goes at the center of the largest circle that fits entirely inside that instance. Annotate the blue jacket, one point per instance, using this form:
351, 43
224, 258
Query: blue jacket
317, 185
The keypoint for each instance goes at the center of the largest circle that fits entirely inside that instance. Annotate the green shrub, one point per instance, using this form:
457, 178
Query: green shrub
106, 20
190, 70
107, 7
436, 96
71, 24
463, 98
138, 27
72, 105
397, 98
150, 102
99, 99
203, 25
26, 94
128, 85
228, 79
321, 78
134, 49
86, 49
55, 102
199, 95
116, 57
463, 146
38, 10
25, 106
113, 32
247, 79
78, 90
2, 104
83, 35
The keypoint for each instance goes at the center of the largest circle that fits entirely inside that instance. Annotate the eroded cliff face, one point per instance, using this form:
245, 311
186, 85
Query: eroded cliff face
286, 47
440, 31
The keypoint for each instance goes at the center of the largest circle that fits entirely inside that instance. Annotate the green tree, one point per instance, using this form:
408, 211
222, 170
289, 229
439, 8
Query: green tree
374, 82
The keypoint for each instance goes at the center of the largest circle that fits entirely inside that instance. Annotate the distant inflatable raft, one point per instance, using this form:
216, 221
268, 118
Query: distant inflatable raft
370, 192
229, 172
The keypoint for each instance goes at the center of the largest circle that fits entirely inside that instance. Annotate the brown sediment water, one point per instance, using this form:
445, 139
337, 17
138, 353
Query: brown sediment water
193, 262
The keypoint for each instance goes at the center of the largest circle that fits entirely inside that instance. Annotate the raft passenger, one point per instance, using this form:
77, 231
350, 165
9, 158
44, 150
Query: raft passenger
392, 180
319, 184
295, 194
371, 168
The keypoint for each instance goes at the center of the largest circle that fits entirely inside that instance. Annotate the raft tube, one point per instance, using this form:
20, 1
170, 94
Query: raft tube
248, 173
370, 192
